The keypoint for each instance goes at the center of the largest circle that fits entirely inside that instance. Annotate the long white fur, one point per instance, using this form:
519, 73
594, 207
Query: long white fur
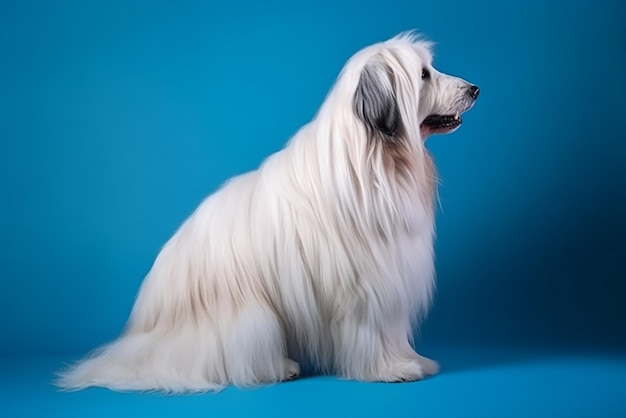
322, 256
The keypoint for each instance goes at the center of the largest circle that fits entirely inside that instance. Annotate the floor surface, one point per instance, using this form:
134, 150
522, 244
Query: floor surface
477, 382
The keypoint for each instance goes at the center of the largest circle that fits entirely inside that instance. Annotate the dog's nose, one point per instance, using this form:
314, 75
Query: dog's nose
473, 92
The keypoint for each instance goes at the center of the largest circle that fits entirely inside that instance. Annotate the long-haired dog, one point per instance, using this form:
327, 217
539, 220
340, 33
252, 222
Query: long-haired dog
322, 257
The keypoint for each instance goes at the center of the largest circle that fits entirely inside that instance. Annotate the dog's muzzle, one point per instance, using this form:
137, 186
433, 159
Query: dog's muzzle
441, 124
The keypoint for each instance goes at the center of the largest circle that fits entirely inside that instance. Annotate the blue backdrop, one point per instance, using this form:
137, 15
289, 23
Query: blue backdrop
118, 117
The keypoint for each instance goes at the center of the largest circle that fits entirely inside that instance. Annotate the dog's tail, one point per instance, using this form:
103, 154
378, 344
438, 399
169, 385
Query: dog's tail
149, 361
194, 356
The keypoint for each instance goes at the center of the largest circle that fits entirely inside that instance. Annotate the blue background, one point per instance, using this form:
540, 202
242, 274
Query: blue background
117, 118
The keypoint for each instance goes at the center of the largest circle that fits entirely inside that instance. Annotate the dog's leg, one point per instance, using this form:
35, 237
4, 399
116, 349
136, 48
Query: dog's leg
369, 349
255, 350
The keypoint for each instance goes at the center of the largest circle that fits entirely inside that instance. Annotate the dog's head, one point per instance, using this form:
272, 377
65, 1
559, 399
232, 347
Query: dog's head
400, 93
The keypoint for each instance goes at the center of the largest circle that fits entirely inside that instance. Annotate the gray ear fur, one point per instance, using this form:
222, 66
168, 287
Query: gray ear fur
375, 101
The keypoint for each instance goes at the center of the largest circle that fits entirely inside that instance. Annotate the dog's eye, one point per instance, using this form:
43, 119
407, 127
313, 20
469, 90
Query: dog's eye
425, 74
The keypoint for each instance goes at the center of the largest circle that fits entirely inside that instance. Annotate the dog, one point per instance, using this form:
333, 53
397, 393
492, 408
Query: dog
319, 261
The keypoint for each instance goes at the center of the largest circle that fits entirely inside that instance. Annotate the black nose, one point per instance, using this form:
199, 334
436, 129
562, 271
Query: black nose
473, 92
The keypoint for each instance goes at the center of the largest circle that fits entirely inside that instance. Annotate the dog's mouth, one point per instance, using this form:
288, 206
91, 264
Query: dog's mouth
441, 124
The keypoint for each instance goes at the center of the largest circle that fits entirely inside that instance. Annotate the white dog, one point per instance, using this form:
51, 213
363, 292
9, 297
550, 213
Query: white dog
323, 257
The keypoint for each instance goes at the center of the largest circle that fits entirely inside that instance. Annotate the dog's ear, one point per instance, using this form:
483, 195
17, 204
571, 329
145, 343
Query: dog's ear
374, 101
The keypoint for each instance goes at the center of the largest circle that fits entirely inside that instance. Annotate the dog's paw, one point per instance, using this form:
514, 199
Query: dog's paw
429, 367
292, 370
407, 370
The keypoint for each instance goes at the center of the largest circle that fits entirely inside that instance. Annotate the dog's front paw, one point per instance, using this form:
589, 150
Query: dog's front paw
408, 370
429, 367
